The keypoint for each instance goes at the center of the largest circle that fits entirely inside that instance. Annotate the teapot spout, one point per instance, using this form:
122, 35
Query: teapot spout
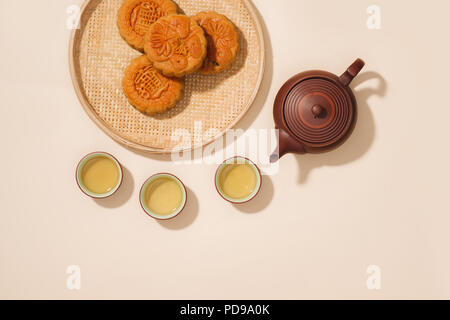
286, 144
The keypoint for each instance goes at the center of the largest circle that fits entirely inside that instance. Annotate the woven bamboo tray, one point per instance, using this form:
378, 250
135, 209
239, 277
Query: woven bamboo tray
212, 104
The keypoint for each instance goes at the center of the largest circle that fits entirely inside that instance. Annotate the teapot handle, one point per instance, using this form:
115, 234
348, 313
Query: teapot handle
351, 72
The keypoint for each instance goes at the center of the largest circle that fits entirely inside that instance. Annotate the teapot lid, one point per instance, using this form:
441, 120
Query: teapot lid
319, 108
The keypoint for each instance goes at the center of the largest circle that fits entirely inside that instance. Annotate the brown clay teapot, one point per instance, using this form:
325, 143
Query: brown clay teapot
315, 111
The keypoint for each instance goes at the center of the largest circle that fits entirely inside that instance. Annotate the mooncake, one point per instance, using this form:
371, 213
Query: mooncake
223, 41
148, 90
136, 16
176, 45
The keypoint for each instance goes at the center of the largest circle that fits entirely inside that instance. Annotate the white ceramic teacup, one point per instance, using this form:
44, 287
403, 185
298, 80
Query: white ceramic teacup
79, 171
238, 160
148, 182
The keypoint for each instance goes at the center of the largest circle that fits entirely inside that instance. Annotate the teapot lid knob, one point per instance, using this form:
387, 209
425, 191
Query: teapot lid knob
317, 110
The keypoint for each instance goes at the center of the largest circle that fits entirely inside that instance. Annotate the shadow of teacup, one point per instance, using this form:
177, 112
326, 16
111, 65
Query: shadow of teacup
122, 195
187, 216
262, 199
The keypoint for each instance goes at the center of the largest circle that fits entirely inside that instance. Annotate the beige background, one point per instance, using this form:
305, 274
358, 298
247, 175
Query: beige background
381, 199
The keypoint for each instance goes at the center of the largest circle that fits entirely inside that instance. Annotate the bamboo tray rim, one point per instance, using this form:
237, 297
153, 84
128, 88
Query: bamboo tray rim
77, 32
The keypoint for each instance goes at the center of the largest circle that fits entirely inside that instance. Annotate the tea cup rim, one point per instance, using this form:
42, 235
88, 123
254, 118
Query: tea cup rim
146, 184
234, 200
83, 161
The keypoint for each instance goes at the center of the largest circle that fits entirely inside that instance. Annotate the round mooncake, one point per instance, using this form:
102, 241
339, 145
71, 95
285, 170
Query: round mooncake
148, 90
176, 45
223, 41
136, 16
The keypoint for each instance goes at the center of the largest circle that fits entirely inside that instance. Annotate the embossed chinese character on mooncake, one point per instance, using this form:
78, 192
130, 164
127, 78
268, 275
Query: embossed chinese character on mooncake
136, 16
148, 90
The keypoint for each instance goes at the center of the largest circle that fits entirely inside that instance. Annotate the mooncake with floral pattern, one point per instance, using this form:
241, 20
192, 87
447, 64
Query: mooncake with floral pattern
176, 45
223, 41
